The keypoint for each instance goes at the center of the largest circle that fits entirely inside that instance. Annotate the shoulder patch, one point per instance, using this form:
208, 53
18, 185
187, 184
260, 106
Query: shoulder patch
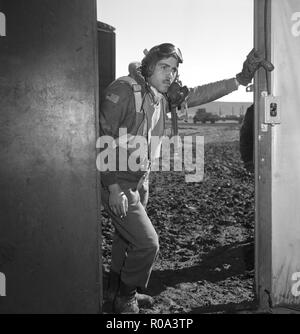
112, 98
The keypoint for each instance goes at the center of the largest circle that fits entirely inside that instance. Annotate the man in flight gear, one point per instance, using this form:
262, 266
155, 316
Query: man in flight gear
124, 193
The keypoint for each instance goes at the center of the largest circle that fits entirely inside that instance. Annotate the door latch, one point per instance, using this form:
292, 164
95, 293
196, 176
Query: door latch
272, 108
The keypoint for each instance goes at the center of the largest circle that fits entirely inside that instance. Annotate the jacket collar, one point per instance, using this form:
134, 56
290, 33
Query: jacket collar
155, 95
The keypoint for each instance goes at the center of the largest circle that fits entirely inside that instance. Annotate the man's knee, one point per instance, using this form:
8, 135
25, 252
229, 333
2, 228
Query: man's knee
149, 244
154, 244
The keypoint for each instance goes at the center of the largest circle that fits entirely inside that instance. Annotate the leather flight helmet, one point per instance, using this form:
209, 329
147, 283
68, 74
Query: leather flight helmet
157, 53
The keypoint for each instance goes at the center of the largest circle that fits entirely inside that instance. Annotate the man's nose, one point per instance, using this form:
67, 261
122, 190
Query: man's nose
171, 75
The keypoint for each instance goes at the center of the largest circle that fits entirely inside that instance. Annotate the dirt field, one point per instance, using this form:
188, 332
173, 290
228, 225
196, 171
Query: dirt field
206, 231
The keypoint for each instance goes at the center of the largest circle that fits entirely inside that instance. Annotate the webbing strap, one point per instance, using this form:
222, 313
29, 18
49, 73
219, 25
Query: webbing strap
137, 90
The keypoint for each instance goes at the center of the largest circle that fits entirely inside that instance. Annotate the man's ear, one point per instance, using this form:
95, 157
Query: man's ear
151, 70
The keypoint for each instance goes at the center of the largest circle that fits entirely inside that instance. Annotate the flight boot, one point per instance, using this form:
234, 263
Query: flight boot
129, 300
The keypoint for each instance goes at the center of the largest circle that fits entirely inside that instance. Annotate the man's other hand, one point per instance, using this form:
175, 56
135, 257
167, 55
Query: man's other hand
118, 201
254, 62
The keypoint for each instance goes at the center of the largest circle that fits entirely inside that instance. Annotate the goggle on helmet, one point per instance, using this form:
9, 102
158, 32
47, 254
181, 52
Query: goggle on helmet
166, 50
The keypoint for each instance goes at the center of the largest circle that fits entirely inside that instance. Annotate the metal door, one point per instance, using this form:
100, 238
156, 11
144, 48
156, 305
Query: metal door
278, 155
49, 217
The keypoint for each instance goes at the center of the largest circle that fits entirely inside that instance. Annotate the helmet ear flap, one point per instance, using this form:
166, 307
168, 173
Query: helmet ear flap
148, 65
144, 70
150, 69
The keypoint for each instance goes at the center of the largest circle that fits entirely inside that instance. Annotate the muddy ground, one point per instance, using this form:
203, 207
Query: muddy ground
206, 231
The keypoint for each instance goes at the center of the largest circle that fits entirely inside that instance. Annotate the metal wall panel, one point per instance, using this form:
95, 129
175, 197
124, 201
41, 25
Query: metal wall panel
49, 225
286, 155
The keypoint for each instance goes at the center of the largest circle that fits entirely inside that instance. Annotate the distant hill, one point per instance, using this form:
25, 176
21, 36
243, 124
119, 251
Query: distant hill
222, 108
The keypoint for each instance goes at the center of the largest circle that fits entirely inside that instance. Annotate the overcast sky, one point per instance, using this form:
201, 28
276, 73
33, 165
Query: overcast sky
214, 35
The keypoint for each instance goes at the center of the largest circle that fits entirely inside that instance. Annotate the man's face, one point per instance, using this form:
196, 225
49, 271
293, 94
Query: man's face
164, 74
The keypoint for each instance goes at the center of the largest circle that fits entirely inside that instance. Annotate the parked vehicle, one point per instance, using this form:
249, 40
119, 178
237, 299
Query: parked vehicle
237, 118
203, 116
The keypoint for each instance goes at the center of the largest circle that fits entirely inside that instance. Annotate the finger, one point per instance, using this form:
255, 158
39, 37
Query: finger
258, 54
126, 206
119, 210
114, 209
123, 207
268, 65
123, 211
255, 56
